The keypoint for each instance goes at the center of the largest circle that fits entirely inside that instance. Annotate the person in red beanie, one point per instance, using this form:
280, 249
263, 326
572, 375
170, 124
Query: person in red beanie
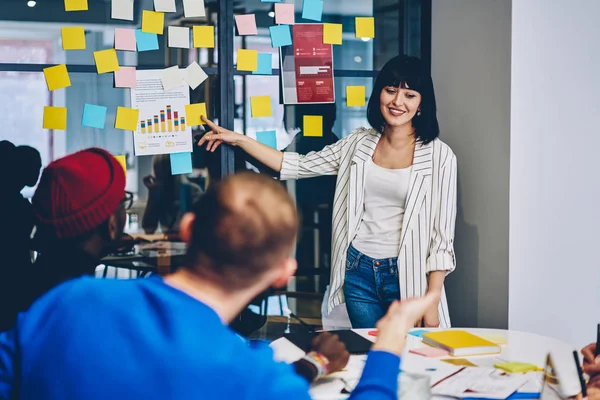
79, 210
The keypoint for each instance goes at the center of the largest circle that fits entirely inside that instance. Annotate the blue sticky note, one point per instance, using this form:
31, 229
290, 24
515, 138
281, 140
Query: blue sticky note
271, 1
281, 35
146, 41
267, 137
94, 116
265, 64
418, 333
181, 163
312, 9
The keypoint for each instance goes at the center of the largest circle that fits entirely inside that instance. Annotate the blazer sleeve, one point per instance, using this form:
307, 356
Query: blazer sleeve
316, 163
441, 250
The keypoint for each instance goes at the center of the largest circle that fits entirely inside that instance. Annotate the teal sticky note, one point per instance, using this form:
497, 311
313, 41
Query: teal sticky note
146, 41
418, 333
265, 64
94, 116
181, 163
267, 137
312, 9
281, 35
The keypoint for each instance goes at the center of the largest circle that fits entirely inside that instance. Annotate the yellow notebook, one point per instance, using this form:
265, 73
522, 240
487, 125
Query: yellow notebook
460, 343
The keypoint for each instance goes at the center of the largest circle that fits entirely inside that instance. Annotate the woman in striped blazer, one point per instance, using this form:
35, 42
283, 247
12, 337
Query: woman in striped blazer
395, 199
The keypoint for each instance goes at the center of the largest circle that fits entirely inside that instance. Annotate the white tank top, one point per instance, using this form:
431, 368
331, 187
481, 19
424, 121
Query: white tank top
379, 233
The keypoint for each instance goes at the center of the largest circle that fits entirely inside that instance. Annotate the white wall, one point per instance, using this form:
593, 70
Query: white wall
555, 173
471, 73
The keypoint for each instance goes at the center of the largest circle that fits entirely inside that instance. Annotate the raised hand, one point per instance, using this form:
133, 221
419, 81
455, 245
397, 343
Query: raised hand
218, 135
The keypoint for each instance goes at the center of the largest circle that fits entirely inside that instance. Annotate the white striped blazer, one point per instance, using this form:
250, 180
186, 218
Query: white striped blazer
427, 239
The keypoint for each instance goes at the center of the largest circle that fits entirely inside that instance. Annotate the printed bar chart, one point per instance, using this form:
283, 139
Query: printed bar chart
164, 121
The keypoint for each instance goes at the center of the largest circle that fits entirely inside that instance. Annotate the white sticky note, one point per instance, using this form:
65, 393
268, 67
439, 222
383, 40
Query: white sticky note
179, 37
122, 9
165, 5
194, 75
194, 8
171, 78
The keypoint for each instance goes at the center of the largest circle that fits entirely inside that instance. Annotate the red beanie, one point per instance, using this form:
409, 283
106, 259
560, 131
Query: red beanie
79, 192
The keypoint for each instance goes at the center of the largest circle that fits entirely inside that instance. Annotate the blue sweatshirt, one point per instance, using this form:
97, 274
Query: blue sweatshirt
143, 339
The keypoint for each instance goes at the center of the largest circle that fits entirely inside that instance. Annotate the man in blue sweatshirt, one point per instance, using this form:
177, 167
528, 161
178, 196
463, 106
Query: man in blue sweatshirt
168, 338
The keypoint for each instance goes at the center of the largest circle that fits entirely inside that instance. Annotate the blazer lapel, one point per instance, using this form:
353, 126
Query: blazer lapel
356, 186
419, 186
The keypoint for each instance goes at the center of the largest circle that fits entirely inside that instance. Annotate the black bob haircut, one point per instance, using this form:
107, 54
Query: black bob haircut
406, 72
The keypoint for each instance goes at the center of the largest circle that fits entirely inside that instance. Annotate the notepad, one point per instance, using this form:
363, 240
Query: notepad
247, 60
313, 125
153, 22
73, 38
431, 352
193, 112
516, 367
57, 77
365, 27
460, 343
204, 37
261, 106
332, 33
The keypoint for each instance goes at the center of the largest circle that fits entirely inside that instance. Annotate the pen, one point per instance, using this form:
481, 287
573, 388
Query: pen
580, 374
597, 342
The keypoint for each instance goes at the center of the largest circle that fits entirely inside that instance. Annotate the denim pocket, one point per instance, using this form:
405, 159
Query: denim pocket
352, 262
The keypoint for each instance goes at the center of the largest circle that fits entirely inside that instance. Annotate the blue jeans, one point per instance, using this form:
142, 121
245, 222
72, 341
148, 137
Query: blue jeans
370, 287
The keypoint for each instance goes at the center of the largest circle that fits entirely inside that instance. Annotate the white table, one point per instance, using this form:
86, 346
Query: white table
520, 346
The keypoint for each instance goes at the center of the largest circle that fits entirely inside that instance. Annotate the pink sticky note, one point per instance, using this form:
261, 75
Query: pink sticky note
246, 24
284, 14
125, 77
431, 352
125, 39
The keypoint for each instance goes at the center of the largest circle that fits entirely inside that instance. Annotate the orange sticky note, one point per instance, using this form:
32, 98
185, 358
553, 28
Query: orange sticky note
76, 5
57, 77
123, 161
204, 37
355, 96
55, 118
73, 38
193, 113
332, 33
365, 27
106, 61
127, 118
247, 60
313, 125
261, 106
153, 22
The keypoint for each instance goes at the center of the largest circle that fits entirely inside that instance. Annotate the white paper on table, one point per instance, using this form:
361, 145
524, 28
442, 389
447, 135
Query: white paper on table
433, 368
194, 8
194, 75
477, 382
534, 383
171, 78
165, 6
122, 9
179, 37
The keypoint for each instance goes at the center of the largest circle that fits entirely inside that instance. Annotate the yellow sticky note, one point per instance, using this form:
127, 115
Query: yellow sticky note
355, 96
462, 362
106, 61
127, 118
261, 106
204, 37
55, 118
313, 125
153, 22
247, 60
193, 113
332, 33
365, 27
73, 38
57, 77
123, 161
516, 367
76, 5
